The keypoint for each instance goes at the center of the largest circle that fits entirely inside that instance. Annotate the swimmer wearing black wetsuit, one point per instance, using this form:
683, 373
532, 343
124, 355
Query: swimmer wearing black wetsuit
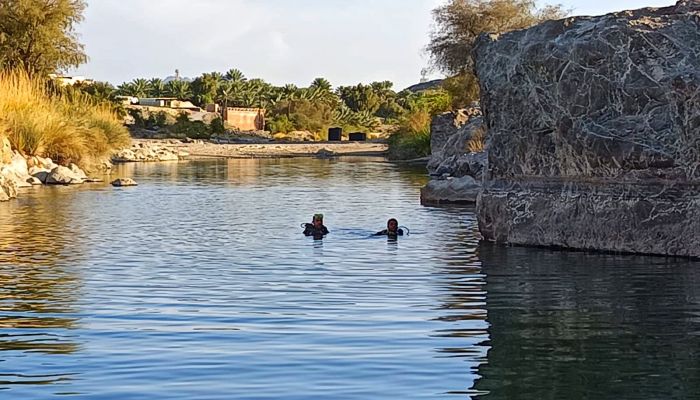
392, 229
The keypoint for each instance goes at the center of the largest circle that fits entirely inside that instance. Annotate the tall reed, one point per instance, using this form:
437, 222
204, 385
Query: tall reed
64, 127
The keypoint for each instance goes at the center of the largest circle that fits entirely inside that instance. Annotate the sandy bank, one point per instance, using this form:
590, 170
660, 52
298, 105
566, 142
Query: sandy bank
274, 150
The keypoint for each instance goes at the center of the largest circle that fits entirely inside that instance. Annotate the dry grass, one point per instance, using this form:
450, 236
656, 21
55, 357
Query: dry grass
477, 143
64, 128
412, 137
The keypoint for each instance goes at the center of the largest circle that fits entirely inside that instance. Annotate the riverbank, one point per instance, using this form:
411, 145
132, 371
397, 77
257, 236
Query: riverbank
200, 149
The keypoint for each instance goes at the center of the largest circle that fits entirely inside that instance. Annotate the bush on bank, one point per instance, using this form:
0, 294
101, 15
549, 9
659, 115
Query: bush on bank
64, 127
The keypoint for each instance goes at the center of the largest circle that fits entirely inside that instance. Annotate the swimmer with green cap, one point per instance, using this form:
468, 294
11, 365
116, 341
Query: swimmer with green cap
316, 227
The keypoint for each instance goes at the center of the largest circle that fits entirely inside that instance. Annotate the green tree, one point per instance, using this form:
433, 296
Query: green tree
321, 84
321, 90
228, 93
100, 91
126, 89
458, 24
360, 98
39, 36
205, 87
179, 89
140, 87
234, 75
156, 87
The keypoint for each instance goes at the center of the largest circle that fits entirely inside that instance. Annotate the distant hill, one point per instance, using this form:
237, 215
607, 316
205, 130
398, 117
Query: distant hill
419, 87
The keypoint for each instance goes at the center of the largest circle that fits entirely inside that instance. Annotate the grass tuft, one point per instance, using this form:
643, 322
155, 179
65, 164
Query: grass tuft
65, 128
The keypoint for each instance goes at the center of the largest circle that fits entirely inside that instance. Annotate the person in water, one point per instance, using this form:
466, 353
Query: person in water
316, 227
392, 229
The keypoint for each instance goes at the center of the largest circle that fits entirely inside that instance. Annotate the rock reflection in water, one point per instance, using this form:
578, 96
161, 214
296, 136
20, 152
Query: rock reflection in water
37, 291
577, 325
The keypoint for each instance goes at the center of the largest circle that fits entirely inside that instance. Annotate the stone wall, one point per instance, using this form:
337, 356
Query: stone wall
245, 119
594, 132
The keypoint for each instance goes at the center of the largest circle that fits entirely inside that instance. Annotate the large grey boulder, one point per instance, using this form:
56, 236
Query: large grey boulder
463, 190
62, 176
452, 146
444, 126
456, 157
451, 135
594, 132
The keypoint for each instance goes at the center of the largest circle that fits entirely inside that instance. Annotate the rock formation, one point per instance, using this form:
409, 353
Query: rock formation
18, 171
594, 132
148, 152
455, 168
123, 182
63, 176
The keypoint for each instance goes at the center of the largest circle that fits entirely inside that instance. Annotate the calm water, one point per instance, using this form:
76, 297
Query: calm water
197, 284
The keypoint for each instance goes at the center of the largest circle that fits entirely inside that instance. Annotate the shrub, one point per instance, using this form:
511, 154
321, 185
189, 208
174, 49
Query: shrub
67, 128
412, 137
217, 126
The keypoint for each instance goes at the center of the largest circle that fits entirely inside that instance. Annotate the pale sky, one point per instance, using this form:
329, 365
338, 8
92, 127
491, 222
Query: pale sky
281, 41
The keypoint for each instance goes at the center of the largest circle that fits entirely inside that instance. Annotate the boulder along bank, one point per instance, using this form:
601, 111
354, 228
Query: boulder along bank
594, 132
456, 162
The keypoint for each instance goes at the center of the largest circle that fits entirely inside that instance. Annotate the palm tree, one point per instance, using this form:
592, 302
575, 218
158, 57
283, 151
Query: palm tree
360, 98
290, 93
156, 87
126, 89
228, 93
205, 87
218, 76
321, 83
140, 87
101, 91
179, 89
235, 75
255, 92
137, 88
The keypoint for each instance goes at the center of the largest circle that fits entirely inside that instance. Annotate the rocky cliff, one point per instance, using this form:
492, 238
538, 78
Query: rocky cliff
594, 132
455, 167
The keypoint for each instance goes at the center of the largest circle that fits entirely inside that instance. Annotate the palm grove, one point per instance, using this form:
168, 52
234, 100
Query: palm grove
38, 37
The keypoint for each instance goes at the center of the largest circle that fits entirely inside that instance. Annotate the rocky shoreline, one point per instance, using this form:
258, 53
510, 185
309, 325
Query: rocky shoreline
455, 170
593, 139
284, 150
152, 150
17, 171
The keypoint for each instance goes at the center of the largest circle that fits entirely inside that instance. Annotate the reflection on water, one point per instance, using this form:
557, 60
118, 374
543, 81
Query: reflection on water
37, 291
577, 325
198, 284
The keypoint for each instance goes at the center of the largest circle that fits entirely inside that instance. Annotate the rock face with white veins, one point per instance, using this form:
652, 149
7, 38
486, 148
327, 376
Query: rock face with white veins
594, 132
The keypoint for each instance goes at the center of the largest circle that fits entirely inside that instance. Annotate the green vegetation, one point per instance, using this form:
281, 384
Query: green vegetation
65, 127
38, 36
412, 137
458, 24
40, 118
290, 108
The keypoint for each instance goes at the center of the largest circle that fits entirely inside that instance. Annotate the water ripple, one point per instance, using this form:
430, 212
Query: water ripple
197, 284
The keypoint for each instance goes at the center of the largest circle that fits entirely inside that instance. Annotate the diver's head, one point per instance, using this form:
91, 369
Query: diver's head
392, 225
318, 220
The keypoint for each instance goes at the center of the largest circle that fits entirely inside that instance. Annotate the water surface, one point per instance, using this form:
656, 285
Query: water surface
197, 284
